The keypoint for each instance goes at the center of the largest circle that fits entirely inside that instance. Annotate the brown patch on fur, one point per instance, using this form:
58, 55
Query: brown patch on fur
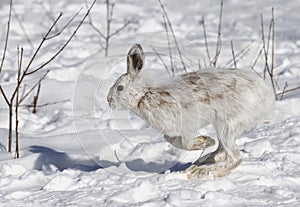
164, 93
205, 99
141, 101
160, 96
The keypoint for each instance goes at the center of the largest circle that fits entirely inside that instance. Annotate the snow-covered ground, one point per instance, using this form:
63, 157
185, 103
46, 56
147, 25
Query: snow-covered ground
80, 153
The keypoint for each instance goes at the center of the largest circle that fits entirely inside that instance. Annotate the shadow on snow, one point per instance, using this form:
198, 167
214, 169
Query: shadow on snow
50, 159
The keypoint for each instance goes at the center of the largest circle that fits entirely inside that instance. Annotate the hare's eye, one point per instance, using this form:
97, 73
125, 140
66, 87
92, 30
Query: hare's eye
120, 88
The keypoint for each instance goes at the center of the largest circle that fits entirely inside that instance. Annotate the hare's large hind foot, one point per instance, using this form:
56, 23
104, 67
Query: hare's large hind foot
214, 170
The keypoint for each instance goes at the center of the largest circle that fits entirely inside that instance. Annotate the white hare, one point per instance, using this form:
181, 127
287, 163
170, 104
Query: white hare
231, 100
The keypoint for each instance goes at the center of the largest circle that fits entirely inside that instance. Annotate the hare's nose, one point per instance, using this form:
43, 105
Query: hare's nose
109, 100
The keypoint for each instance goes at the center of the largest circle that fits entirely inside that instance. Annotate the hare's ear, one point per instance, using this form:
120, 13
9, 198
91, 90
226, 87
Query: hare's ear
135, 60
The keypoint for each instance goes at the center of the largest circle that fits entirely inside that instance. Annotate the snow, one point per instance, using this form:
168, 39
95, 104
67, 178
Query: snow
80, 153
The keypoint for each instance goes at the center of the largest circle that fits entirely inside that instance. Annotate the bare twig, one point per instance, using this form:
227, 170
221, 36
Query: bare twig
15, 93
108, 22
169, 46
24, 95
173, 34
219, 41
64, 27
270, 71
45, 104
283, 91
287, 91
162, 60
273, 41
205, 40
63, 47
233, 55
120, 29
109, 34
35, 98
7, 35
239, 55
20, 60
4, 95
115, 153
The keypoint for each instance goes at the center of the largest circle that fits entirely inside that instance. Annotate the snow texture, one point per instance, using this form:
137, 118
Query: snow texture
80, 153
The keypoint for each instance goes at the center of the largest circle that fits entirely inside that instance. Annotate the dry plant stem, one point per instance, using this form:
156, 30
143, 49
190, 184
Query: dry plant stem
233, 55
270, 71
46, 104
219, 41
109, 34
7, 35
283, 91
169, 46
25, 95
273, 41
109, 17
108, 22
64, 27
20, 60
287, 91
116, 155
62, 48
35, 98
173, 34
26, 70
239, 55
162, 60
205, 39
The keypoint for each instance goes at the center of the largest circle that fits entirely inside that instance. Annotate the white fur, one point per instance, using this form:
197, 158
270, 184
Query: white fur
231, 100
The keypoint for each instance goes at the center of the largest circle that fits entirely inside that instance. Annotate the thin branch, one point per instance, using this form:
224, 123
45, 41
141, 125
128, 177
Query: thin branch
240, 54
270, 72
283, 91
219, 41
108, 21
287, 91
169, 46
96, 29
64, 27
24, 96
4, 95
90, 22
162, 60
120, 29
264, 45
173, 34
273, 41
20, 60
115, 153
40, 46
7, 35
205, 39
46, 104
65, 44
233, 55
35, 98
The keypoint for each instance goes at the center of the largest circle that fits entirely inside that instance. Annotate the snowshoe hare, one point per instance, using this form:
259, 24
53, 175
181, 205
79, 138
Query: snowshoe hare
231, 100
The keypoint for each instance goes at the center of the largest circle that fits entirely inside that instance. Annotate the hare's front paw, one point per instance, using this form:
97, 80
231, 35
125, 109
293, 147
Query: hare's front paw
202, 142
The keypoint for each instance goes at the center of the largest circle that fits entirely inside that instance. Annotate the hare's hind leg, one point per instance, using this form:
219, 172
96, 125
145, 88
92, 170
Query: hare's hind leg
220, 163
